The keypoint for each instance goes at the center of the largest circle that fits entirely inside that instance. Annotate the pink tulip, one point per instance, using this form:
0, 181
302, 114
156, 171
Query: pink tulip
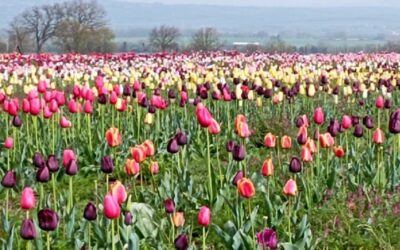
380, 102
290, 188
35, 106
154, 168
64, 122
379, 136
214, 127
46, 112
203, 115
88, 107
28, 199
68, 156
204, 216
111, 207
9, 143
53, 106
26, 106
346, 122
319, 116
118, 191
73, 106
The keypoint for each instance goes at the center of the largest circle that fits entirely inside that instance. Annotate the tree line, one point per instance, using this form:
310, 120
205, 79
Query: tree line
81, 26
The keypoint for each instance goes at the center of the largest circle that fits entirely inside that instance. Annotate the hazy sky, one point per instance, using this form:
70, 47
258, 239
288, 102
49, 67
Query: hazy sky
283, 3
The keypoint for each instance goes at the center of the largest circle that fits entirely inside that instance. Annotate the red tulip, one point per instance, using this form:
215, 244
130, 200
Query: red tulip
203, 115
246, 188
113, 137
204, 216
269, 140
111, 207
379, 136
338, 151
28, 199
9, 143
267, 168
319, 116
290, 188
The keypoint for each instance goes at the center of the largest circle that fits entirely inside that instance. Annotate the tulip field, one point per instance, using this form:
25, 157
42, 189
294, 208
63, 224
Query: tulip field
220, 150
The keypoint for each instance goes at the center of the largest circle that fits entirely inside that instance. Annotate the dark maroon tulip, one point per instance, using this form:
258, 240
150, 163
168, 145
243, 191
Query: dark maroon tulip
388, 104
127, 90
334, 127
48, 219
236, 80
181, 138
17, 121
181, 242
107, 165
9, 179
169, 206
238, 176
394, 122
72, 168
368, 122
316, 135
196, 101
102, 99
358, 131
151, 109
128, 218
143, 103
38, 160
239, 152
355, 120
229, 146
171, 94
28, 230
52, 163
299, 121
43, 174
90, 212
302, 138
268, 93
267, 239
173, 146
295, 165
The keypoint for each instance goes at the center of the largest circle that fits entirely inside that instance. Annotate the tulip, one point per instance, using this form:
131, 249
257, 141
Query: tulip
181, 138
169, 206
28, 230
181, 242
290, 188
338, 151
149, 118
48, 219
358, 131
107, 165
229, 146
52, 163
9, 179
246, 188
238, 176
72, 168
17, 121
394, 122
179, 219
128, 218
295, 165
241, 126
64, 122
111, 207
310, 144
267, 239
173, 146
214, 127
132, 167
286, 142
8, 143
302, 135
346, 122
326, 140
113, 137
369, 122
269, 140
204, 216
28, 199
118, 191
319, 116
43, 174
267, 168
239, 152
306, 155
90, 212
149, 148
139, 153
68, 156
379, 137
154, 168
379, 102
203, 115
302, 121
38, 160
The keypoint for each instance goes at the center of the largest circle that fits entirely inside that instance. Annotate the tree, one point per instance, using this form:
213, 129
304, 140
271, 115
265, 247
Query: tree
18, 36
205, 39
82, 28
41, 22
164, 38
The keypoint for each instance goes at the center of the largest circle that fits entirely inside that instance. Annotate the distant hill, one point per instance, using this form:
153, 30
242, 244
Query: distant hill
125, 17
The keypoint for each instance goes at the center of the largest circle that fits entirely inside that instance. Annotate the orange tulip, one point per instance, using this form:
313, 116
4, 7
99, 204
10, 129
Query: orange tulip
154, 168
286, 142
290, 188
132, 167
241, 126
306, 155
179, 219
310, 144
326, 140
118, 191
246, 188
379, 137
269, 140
267, 168
339, 151
149, 148
113, 137
139, 153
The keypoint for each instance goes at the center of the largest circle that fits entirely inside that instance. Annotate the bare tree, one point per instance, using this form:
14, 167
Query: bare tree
164, 38
205, 39
41, 22
18, 36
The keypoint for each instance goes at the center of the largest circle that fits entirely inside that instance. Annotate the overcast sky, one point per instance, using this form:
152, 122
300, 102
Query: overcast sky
284, 3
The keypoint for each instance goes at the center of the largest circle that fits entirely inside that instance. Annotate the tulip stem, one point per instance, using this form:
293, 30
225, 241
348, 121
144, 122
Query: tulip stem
209, 169
173, 229
89, 235
89, 132
7, 200
48, 241
204, 238
289, 216
53, 182
112, 235
71, 201
41, 195
252, 225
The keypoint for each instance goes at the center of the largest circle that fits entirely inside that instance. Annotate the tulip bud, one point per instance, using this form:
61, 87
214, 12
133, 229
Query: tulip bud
17, 121
267, 239
179, 219
369, 122
113, 137
204, 216
379, 137
181, 242
28, 199
132, 167
111, 207
173, 146
379, 103
181, 138
295, 165
169, 206
306, 155
203, 115
48, 219
154, 168
267, 168
239, 152
394, 122
229, 146
38, 160
214, 127
286, 142
319, 116
346, 122
128, 218
338, 151
28, 230
43, 174
68, 156
9, 179
52, 163
290, 188
269, 140
107, 165
90, 212
358, 131
118, 191
8, 143
72, 168
246, 188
